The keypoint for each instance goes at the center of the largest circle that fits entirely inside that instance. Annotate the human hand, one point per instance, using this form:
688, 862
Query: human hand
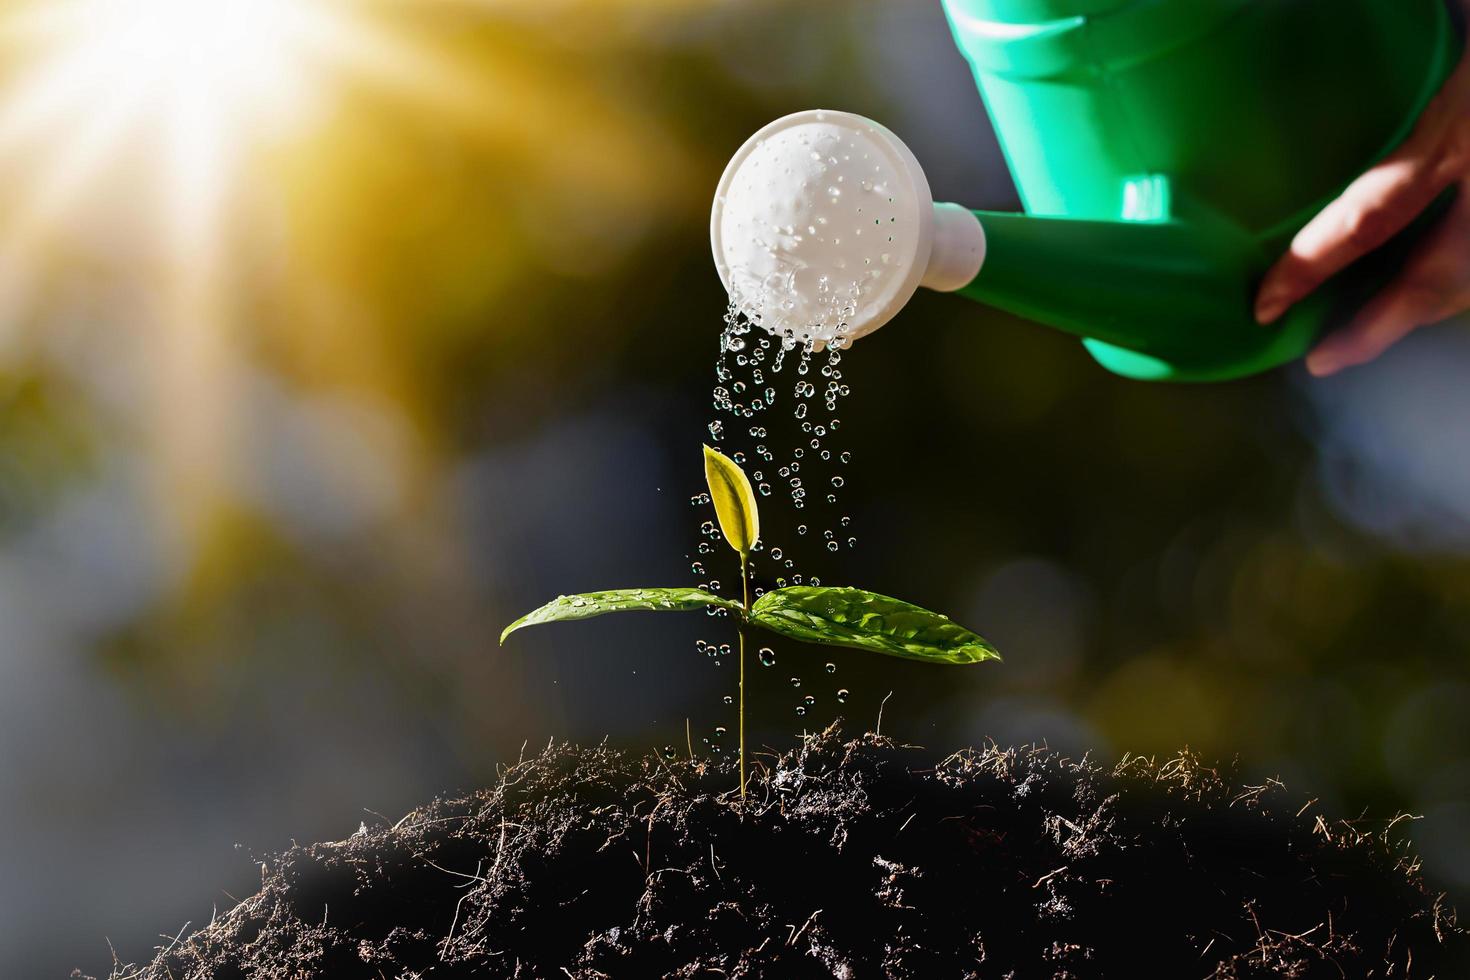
1434, 282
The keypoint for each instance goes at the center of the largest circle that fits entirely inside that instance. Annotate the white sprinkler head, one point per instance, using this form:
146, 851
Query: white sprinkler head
823, 227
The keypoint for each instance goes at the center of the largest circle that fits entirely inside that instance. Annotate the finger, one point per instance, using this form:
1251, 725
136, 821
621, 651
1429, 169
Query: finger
1433, 284
1382, 323
1374, 208
1377, 205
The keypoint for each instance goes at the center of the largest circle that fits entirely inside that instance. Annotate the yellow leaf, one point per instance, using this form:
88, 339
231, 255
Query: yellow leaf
734, 501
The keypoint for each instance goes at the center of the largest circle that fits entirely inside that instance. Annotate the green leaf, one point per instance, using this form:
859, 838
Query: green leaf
868, 621
735, 506
591, 604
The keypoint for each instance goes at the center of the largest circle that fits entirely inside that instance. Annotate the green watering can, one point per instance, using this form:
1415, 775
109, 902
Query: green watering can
1166, 151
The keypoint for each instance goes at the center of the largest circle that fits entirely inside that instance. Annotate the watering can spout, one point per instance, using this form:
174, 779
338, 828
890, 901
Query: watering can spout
1164, 298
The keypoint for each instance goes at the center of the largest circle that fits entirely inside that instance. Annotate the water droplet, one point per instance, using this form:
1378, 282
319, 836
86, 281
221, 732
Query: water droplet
768, 657
842, 696
831, 668
809, 700
719, 731
801, 529
796, 682
728, 699
670, 753
831, 545
800, 709
838, 481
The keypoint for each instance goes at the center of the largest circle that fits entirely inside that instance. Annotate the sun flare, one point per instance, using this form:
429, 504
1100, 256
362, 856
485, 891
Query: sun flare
235, 190
141, 124
197, 81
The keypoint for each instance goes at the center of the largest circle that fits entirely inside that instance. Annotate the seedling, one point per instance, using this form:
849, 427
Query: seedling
843, 617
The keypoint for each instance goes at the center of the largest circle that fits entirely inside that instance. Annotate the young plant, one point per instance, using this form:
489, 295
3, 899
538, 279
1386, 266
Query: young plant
831, 616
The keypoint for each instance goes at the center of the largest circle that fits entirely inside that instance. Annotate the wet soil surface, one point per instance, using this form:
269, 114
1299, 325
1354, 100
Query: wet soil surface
850, 858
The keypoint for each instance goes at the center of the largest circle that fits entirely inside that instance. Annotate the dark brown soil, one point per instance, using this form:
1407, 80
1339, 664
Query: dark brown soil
851, 859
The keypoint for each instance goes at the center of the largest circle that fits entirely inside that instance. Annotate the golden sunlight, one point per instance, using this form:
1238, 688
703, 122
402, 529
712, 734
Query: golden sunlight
305, 195
162, 105
201, 78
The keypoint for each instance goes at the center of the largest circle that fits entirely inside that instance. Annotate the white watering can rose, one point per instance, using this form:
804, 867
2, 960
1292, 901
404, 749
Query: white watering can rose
823, 227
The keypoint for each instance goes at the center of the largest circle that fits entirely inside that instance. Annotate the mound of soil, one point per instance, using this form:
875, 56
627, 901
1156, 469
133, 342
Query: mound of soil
850, 859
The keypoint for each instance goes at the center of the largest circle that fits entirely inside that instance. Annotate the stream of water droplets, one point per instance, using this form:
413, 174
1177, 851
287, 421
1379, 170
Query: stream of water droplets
771, 393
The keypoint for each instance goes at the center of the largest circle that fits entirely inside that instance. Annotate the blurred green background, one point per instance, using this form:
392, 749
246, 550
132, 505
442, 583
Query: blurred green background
332, 339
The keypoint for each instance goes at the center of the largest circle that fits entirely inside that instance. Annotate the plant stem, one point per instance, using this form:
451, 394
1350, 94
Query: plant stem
745, 589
